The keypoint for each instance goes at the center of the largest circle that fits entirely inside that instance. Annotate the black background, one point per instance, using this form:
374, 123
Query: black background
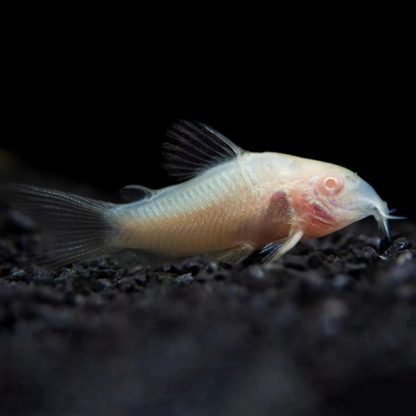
94, 109
86, 99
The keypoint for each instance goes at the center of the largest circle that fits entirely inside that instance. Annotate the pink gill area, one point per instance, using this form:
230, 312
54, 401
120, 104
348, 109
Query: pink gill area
315, 221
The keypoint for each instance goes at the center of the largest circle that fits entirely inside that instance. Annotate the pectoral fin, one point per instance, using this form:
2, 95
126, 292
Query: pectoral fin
275, 250
268, 251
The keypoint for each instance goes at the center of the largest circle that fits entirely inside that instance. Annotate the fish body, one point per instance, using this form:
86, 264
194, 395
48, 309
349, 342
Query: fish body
223, 207
226, 206
234, 203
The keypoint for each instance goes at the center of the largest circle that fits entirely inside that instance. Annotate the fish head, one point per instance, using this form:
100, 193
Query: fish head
332, 197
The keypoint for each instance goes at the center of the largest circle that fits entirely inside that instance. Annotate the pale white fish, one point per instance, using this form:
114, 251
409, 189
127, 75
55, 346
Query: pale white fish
233, 203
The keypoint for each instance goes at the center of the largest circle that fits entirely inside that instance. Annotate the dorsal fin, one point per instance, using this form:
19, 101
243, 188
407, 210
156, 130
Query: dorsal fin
131, 193
195, 147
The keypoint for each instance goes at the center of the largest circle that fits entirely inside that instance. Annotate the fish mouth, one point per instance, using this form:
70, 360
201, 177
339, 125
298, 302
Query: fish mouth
382, 217
379, 210
369, 203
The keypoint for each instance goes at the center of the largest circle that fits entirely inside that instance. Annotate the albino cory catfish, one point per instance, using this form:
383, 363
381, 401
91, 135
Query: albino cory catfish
234, 203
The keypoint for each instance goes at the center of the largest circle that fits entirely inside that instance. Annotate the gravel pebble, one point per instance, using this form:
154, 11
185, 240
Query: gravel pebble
305, 335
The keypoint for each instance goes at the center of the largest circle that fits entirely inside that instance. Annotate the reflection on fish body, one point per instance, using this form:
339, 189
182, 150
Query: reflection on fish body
233, 203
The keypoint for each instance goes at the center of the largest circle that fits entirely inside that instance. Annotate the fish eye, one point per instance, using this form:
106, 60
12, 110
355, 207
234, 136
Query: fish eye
331, 185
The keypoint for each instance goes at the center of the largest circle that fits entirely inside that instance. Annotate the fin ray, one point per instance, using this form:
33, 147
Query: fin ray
195, 147
234, 255
76, 228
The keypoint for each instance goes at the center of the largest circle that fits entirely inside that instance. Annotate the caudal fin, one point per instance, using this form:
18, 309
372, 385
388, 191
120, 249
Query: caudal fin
76, 228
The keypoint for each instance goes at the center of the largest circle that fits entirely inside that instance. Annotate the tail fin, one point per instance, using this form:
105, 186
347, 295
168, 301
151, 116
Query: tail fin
76, 228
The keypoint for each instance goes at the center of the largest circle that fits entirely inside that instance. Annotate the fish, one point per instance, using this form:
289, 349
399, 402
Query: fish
229, 204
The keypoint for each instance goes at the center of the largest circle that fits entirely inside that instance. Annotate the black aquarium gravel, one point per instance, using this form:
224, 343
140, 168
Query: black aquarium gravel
330, 329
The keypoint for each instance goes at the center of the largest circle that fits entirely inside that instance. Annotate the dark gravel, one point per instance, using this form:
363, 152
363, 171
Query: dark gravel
328, 330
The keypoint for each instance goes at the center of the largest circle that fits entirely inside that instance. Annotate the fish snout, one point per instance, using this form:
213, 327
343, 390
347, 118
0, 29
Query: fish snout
368, 203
